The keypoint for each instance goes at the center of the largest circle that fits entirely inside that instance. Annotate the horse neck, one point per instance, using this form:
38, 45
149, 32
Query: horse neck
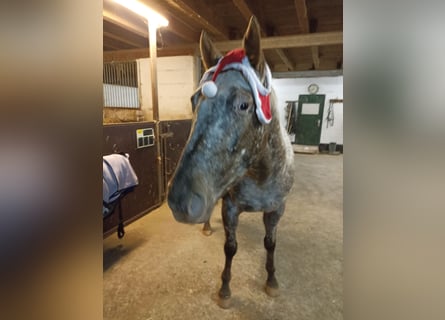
274, 132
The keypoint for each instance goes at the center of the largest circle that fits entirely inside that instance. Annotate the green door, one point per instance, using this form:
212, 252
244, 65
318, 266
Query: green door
309, 119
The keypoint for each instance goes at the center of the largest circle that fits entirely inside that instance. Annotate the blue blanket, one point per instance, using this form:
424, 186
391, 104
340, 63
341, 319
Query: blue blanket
118, 176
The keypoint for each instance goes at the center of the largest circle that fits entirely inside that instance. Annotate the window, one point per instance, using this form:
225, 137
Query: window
120, 80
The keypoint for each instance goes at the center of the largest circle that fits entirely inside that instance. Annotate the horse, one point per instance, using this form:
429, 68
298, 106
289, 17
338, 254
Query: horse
237, 150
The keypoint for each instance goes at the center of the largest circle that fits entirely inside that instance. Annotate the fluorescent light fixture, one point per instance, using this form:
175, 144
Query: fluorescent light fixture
141, 9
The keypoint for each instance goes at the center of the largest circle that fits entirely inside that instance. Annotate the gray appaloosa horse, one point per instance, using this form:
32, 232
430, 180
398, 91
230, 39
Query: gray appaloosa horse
237, 150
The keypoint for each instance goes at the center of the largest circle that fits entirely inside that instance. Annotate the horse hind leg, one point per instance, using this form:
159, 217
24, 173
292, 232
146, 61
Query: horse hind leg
207, 228
230, 219
270, 220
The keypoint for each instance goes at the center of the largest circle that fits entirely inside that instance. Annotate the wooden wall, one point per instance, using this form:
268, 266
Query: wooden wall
177, 80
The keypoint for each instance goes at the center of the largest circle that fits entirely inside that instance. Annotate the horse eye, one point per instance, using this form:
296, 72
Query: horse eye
243, 106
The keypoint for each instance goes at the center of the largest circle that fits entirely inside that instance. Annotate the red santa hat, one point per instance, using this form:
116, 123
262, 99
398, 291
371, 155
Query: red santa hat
237, 60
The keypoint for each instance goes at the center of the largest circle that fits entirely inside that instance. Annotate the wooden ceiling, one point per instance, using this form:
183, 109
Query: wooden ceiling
298, 35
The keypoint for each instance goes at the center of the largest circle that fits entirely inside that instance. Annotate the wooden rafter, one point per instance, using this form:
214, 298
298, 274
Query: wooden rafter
247, 13
297, 41
184, 33
125, 24
315, 57
214, 26
243, 8
175, 25
294, 41
285, 59
109, 14
303, 22
133, 54
122, 39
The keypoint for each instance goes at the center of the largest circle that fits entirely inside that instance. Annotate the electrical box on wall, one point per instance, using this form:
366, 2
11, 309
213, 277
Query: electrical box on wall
145, 138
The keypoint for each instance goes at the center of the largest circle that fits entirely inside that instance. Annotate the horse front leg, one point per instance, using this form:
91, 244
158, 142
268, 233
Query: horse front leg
230, 220
271, 220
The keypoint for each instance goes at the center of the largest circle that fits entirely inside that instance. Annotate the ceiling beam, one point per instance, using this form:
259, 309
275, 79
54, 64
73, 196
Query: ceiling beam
297, 41
315, 57
133, 54
245, 11
303, 22
243, 8
214, 26
109, 46
293, 41
184, 33
285, 59
113, 13
125, 24
175, 25
122, 39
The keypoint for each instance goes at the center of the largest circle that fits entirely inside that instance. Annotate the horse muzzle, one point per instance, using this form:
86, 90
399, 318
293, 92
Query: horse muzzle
188, 208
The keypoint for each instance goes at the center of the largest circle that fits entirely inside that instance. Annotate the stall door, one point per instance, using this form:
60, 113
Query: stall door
309, 119
136, 139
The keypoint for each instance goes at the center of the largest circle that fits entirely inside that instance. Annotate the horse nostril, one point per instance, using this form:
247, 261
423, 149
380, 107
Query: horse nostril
195, 206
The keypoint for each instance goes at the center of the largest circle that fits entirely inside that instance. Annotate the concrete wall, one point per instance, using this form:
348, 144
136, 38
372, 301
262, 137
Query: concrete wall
332, 87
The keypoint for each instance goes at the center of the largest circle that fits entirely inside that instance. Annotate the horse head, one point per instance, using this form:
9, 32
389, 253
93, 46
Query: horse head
232, 115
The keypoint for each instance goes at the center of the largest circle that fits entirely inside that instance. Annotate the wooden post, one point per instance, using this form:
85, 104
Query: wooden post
152, 28
153, 70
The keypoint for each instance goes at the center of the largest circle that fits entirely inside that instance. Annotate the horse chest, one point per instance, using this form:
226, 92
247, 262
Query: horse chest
250, 195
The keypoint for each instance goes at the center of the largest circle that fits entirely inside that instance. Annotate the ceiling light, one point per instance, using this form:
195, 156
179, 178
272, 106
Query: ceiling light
141, 9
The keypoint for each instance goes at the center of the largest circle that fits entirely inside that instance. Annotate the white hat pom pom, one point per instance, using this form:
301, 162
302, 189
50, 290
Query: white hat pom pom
209, 89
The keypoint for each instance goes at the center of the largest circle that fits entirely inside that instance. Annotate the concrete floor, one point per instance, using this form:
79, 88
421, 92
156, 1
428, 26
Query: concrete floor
162, 269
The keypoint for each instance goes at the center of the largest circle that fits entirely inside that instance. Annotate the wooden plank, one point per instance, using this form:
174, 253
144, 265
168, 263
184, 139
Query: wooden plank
175, 26
297, 41
125, 24
133, 54
153, 72
117, 44
215, 26
243, 8
293, 41
247, 13
285, 59
303, 21
315, 57
122, 39
299, 148
182, 31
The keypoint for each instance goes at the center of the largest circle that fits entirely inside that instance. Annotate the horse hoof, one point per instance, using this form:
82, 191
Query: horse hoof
272, 292
207, 232
224, 303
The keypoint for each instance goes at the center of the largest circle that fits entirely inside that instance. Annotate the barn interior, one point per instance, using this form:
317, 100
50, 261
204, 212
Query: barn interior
157, 268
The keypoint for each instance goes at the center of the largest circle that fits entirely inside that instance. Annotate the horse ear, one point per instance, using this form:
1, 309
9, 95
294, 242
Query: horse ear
252, 44
209, 54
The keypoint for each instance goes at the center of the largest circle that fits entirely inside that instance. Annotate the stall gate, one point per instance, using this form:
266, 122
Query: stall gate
154, 158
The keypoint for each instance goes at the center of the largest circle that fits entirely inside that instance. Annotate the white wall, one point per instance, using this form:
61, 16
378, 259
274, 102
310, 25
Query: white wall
332, 87
177, 80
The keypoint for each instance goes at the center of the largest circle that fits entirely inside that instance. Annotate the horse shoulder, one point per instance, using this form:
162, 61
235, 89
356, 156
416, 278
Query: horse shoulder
264, 188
